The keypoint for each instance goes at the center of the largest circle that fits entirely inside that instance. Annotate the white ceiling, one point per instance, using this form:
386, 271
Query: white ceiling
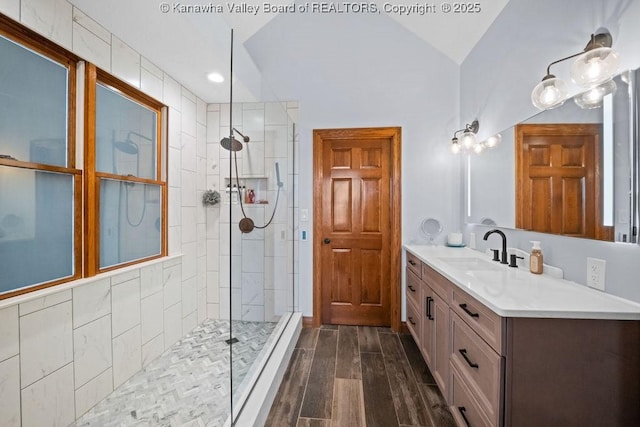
190, 45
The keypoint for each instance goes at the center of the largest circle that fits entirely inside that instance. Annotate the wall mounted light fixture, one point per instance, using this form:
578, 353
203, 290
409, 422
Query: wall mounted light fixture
593, 68
468, 139
468, 142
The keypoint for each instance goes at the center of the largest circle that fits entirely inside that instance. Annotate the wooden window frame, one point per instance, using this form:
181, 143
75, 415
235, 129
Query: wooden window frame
93, 77
35, 42
86, 181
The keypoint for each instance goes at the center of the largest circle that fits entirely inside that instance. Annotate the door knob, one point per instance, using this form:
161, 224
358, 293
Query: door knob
327, 241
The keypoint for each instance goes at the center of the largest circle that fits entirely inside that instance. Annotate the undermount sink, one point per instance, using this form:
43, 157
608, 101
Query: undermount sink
471, 264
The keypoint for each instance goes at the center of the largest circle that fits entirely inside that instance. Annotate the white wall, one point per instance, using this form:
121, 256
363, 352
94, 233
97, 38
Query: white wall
496, 82
367, 71
65, 348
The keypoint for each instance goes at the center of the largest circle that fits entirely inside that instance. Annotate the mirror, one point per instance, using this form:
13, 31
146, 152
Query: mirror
431, 228
604, 198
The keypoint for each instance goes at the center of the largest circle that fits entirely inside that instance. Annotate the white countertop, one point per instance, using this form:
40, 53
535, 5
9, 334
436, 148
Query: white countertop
515, 292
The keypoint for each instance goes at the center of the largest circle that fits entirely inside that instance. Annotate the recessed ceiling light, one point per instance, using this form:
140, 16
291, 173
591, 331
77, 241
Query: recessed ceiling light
215, 77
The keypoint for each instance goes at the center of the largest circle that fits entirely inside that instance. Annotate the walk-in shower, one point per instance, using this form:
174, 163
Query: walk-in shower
238, 256
257, 153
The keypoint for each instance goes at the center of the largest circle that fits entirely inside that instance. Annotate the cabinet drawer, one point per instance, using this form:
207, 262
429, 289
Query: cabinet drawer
483, 321
414, 321
438, 282
414, 264
464, 406
479, 364
413, 287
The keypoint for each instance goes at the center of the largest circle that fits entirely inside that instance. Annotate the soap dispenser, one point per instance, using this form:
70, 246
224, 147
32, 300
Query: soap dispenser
535, 259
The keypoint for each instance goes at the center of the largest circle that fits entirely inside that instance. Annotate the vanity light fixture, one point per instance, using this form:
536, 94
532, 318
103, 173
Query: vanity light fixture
594, 96
493, 140
467, 141
595, 65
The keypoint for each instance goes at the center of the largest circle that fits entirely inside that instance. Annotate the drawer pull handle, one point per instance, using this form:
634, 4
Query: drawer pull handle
411, 288
429, 316
411, 320
463, 352
412, 262
469, 312
463, 411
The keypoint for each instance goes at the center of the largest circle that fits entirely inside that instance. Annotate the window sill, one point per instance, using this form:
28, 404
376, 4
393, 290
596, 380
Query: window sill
43, 293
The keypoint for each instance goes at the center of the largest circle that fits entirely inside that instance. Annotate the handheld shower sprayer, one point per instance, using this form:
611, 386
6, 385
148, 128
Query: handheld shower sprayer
278, 181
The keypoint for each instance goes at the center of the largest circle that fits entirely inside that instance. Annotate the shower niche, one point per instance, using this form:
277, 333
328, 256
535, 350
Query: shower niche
240, 189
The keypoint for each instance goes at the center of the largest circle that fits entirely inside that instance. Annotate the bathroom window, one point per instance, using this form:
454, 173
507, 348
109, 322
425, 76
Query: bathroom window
124, 162
40, 187
65, 212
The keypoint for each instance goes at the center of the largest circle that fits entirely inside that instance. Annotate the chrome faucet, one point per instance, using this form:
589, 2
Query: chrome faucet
504, 244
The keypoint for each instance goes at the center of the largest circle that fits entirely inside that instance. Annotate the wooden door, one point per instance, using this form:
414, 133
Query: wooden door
558, 180
357, 232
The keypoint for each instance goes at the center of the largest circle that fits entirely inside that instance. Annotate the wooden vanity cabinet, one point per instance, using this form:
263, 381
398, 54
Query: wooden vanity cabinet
455, 332
517, 371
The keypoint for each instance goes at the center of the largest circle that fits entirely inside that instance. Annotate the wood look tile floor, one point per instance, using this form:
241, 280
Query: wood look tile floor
358, 376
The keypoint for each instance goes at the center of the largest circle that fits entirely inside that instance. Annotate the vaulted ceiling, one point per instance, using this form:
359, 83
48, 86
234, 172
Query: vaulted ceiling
188, 44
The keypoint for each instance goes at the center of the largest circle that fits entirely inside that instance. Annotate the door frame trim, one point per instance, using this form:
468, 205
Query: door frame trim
395, 134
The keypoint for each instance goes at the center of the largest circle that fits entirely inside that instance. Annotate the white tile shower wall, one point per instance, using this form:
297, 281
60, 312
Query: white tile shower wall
10, 392
49, 401
63, 343
258, 282
11, 8
54, 342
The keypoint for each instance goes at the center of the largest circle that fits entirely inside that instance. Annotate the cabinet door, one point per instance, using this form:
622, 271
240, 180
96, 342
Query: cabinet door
440, 355
427, 342
413, 287
435, 337
414, 320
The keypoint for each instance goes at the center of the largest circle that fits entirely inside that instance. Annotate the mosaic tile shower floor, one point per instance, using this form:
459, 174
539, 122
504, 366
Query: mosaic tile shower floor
188, 385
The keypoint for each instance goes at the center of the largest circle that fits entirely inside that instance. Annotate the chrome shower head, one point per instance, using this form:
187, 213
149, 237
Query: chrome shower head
231, 143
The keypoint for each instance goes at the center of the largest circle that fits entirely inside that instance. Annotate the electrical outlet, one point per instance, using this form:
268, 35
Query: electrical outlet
596, 270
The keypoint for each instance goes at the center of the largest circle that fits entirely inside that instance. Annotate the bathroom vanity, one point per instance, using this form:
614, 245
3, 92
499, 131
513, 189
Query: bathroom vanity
510, 348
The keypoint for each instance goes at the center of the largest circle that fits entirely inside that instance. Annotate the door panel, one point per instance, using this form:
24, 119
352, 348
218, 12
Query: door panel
342, 264
559, 188
354, 176
341, 214
371, 277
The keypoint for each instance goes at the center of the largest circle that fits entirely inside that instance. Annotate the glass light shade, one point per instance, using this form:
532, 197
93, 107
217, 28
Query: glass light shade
593, 97
468, 140
493, 141
455, 147
595, 66
549, 93
478, 148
